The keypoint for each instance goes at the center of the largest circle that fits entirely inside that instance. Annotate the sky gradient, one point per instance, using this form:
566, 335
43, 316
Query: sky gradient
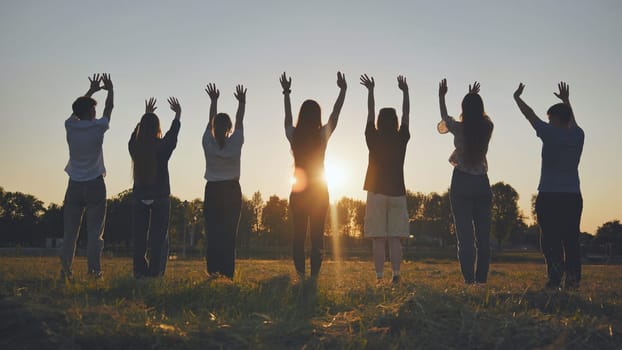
163, 48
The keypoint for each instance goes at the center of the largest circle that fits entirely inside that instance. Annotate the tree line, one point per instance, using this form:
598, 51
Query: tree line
26, 221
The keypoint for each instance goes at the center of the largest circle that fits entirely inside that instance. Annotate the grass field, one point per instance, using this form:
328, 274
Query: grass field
267, 307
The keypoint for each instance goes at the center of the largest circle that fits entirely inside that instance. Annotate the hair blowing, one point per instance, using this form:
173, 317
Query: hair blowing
144, 159
477, 128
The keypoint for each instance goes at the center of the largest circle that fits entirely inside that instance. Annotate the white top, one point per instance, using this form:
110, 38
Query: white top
222, 164
457, 156
85, 139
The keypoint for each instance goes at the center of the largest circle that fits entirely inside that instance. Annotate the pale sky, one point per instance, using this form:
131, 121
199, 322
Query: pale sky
166, 48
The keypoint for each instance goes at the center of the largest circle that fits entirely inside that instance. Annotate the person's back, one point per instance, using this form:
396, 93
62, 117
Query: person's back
561, 154
85, 139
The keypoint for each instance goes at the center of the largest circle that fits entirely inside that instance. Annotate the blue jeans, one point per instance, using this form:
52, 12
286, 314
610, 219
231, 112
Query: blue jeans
559, 217
471, 204
81, 196
150, 227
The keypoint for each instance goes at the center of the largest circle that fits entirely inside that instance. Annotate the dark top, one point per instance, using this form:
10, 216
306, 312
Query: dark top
164, 150
385, 169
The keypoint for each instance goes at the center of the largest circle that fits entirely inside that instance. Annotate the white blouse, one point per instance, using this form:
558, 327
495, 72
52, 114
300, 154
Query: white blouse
222, 164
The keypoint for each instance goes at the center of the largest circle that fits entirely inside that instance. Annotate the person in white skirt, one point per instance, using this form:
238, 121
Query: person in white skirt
386, 214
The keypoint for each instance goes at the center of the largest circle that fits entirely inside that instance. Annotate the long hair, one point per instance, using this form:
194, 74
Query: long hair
306, 140
144, 159
477, 128
221, 128
387, 122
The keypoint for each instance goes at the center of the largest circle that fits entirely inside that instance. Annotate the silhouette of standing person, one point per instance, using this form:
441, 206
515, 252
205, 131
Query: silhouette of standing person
223, 196
559, 203
386, 213
309, 197
86, 190
470, 194
151, 203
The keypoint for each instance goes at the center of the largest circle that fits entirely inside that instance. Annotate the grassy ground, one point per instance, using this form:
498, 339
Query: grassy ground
266, 307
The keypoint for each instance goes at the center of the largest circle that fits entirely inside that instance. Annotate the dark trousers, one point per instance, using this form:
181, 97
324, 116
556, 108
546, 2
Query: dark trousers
559, 217
81, 196
221, 208
471, 204
150, 228
308, 210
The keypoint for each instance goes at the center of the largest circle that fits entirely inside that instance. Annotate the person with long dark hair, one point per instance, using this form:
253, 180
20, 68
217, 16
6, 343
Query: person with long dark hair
309, 197
559, 203
222, 203
470, 194
386, 213
86, 190
151, 203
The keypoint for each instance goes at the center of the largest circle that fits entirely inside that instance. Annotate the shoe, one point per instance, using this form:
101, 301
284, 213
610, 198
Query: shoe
552, 286
395, 279
97, 275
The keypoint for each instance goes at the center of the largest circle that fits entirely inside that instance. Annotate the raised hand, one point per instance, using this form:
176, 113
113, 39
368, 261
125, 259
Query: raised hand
519, 90
150, 105
341, 81
286, 83
442, 88
212, 91
474, 89
107, 82
401, 83
564, 91
174, 104
240, 93
94, 81
368, 82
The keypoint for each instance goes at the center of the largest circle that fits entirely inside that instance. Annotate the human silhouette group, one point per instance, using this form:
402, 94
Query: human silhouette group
558, 206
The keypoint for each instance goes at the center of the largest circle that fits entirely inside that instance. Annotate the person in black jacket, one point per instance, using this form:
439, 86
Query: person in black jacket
151, 203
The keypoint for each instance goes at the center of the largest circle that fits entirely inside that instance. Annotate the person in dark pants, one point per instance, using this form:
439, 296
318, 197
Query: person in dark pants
470, 194
86, 190
223, 197
151, 204
386, 213
309, 197
559, 203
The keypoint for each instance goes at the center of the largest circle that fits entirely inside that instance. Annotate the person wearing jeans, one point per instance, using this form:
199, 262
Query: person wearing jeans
470, 194
309, 196
223, 197
386, 213
86, 189
559, 203
151, 204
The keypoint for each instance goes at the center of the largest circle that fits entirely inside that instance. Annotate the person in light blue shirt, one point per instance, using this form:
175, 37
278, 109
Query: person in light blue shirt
86, 190
559, 203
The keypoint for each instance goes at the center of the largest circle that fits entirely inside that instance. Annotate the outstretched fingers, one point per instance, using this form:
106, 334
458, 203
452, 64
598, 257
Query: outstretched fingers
174, 104
368, 82
150, 105
212, 91
442, 87
240, 93
285, 82
474, 89
341, 80
401, 82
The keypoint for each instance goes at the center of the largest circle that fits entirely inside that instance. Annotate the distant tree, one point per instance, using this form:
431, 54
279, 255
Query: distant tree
349, 212
246, 223
118, 229
415, 201
534, 216
20, 215
275, 221
256, 204
610, 232
437, 217
506, 217
51, 223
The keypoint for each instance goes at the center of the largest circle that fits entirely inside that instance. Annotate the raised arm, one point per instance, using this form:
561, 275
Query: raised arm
110, 97
442, 91
94, 85
334, 116
524, 108
403, 85
369, 83
240, 95
213, 94
564, 95
286, 85
173, 102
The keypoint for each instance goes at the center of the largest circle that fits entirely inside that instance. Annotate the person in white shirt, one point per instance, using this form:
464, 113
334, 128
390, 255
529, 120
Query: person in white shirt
86, 190
223, 196
309, 197
470, 193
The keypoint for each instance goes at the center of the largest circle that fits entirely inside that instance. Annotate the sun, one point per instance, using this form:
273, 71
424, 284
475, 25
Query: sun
335, 176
